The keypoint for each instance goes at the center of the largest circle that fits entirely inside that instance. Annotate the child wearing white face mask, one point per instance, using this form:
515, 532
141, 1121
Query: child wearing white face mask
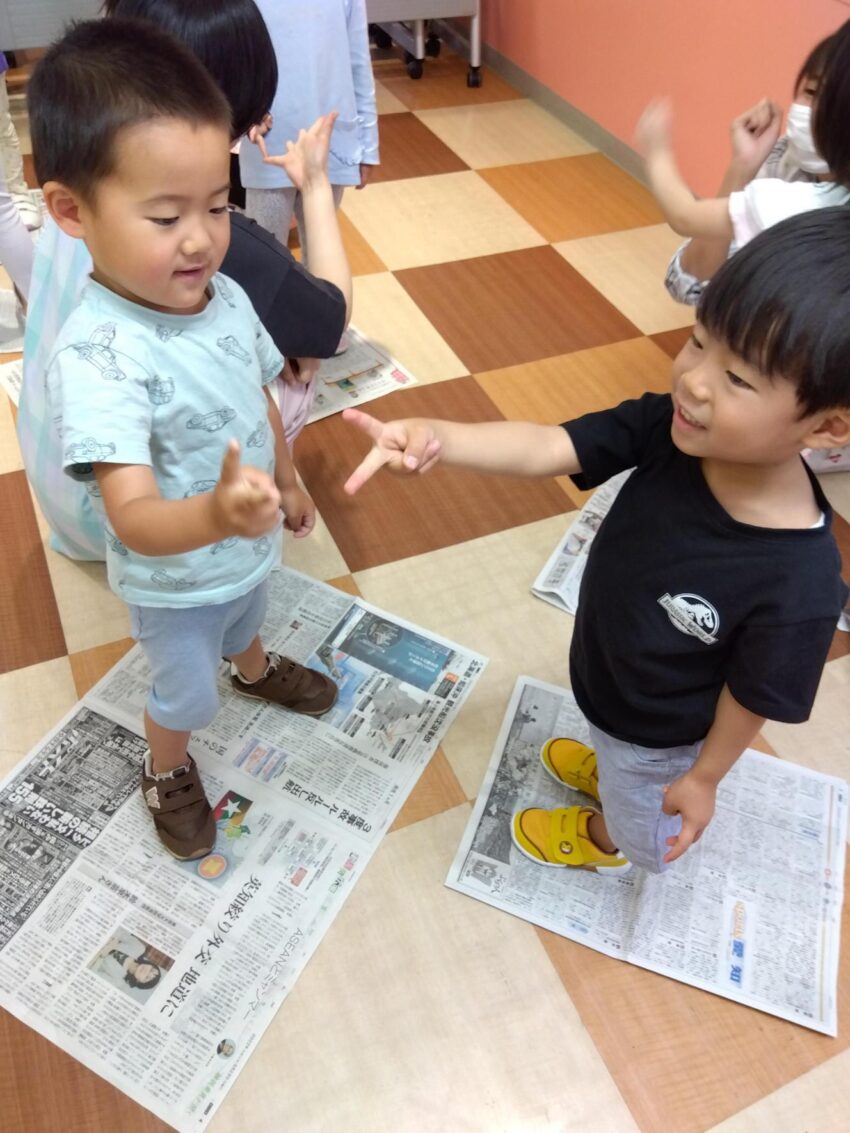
769, 178
760, 158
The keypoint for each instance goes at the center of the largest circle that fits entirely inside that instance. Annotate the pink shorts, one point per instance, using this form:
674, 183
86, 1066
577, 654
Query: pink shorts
294, 403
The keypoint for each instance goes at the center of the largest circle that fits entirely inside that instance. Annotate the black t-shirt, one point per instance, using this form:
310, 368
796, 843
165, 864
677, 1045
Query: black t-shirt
679, 598
305, 316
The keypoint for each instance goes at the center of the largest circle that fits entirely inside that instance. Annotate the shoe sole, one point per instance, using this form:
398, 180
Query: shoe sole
187, 857
297, 711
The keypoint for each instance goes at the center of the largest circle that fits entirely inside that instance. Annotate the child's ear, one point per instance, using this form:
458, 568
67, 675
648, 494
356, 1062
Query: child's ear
63, 204
832, 431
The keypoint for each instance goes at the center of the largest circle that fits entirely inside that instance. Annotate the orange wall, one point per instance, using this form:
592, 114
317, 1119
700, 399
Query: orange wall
714, 57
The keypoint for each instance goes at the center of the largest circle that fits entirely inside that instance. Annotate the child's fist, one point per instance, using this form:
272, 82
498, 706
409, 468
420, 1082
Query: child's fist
245, 500
400, 446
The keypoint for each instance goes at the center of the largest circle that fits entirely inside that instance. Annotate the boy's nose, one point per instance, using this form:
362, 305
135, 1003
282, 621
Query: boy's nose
196, 242
696, 383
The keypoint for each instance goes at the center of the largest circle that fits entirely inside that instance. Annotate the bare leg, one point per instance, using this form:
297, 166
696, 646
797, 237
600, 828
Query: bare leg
598, 832
168, 748
252, 663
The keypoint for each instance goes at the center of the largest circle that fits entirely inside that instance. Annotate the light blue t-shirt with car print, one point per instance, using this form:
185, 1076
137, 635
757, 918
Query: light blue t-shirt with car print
129, 385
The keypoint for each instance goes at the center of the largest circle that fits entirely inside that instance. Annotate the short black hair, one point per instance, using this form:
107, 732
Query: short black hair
102, 77
831, 113
230, 38
782, 303
813, 64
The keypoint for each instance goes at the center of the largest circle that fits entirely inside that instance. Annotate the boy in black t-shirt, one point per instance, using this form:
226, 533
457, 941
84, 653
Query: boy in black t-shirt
713, 587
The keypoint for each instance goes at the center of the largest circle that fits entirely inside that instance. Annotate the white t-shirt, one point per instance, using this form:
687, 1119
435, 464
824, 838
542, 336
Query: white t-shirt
766, 201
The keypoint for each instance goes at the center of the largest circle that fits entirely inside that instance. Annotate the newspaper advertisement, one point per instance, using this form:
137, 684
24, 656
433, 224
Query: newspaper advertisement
360, 374
162, 975
560, 579
11, 379
751, 912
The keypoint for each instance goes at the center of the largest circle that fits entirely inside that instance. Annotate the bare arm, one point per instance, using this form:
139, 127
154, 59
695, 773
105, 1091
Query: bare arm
244, 502
682, 211
306, 164
693, 795
298, 508
754, 134
510, 448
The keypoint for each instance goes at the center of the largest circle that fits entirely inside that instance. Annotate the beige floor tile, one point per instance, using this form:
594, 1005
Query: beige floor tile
823, 742
430, 220
384, 312
503, 133
814, 1101
317, 554
387, 102
90, 613
32, 701
837, 488
477, 594
10, 453
628, 268
425, 1012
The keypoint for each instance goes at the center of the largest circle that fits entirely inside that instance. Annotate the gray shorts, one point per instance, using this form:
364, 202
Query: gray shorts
631, 782
184, 647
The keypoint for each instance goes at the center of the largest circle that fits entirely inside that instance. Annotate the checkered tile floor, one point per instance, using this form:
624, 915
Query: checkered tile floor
516, 272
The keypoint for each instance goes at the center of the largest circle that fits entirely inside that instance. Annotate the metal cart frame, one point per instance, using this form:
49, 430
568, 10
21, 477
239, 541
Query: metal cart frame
405, 22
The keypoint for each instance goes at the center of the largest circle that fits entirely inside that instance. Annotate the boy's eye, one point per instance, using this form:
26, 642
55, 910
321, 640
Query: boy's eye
737, 381
694, 341
219, 210
164, 221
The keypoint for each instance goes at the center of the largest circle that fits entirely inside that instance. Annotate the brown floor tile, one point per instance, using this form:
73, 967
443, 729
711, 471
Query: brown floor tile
347, 584
683, 1059
442, 84
410, 149
30, 629
396, 517
672, 341
90, 665
436, 790
574, 196
514, 307
43, 1089
29, 171
559, 389
362, 259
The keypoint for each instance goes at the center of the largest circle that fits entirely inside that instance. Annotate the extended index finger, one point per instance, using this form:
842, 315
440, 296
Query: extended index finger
367, 424
372, 462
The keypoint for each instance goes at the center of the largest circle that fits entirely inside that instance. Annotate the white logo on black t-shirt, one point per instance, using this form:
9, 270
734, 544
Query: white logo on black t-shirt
692, 614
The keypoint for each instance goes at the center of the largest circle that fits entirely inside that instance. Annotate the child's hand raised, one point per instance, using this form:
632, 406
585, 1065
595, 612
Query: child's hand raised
246, 501
754, 134
654, 130
305, 160
401, 446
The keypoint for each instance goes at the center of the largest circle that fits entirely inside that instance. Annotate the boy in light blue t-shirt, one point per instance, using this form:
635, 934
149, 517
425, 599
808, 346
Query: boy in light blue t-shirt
159, 379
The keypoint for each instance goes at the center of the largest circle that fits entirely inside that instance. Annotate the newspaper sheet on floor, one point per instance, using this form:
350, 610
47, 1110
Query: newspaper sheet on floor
560, 579
752, 912
11, 379
159, 975
360, 374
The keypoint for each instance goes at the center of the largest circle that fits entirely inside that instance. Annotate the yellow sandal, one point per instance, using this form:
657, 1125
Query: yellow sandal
572, 763
560, 838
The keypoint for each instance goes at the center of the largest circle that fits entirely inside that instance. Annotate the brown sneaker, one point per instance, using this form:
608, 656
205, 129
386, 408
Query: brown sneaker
291, 686
181, 814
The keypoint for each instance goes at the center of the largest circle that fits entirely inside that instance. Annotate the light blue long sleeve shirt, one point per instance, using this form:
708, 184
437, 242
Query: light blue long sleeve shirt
323, 59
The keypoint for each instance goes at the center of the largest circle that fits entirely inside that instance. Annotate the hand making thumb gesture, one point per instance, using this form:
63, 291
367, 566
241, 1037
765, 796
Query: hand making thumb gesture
246, 501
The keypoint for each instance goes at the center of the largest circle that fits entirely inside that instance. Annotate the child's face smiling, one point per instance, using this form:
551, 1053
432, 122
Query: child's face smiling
726, 410
158, 227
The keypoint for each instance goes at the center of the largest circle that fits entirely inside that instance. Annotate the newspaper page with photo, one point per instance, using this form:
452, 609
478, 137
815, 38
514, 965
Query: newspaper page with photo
12, 378
161, 975
559, 581
751, 912
360, 374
